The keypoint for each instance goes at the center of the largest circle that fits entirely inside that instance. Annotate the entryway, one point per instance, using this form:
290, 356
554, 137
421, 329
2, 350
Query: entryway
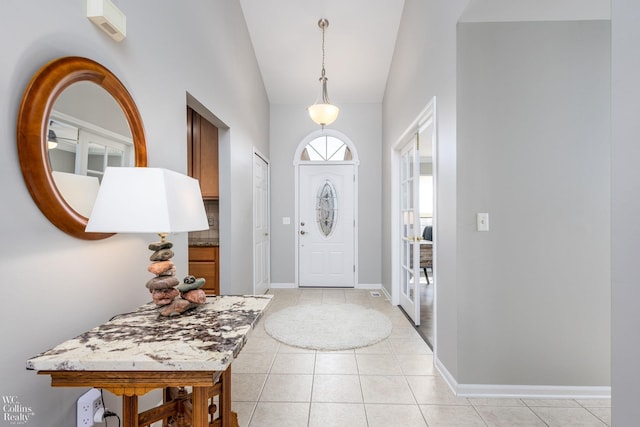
326, 214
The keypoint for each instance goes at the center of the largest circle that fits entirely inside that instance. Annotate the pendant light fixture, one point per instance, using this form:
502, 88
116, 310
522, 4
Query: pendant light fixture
323, 113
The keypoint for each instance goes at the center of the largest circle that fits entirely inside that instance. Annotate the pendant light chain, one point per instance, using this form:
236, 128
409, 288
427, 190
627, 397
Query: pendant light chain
323, 23
323, 51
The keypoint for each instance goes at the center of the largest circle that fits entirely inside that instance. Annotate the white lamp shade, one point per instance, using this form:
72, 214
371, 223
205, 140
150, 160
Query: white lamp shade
147, 200
323, 114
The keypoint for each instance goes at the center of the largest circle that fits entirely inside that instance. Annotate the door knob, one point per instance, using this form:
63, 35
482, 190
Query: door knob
303, 232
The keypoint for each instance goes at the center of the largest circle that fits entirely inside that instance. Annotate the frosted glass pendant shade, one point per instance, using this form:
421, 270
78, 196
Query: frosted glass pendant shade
323, 114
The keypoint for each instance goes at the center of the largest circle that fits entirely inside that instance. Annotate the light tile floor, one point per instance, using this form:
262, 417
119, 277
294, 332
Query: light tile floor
392, 383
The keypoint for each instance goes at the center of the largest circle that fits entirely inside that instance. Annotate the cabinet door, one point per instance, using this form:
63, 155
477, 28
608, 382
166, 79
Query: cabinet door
208, 160
209, 271
203, 262
202, 153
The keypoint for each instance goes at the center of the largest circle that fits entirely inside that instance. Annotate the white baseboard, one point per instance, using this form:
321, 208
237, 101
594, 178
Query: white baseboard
533, 391
445, 374
368, 286
282, 286
521, 391
358, 286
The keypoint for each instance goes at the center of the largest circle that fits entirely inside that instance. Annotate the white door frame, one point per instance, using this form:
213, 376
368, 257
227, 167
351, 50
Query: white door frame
296, 163
409, 265
257, 153
426, 118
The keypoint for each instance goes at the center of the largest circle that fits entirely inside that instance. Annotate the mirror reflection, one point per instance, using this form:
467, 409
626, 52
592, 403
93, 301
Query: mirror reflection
73, 97
87, 131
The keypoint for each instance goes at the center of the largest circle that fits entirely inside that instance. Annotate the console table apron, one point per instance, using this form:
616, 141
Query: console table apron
137, 352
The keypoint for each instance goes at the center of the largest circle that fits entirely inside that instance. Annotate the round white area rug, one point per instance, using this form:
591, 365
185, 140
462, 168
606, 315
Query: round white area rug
328, 326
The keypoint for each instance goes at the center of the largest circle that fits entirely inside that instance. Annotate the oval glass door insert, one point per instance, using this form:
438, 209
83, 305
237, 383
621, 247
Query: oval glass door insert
326, 208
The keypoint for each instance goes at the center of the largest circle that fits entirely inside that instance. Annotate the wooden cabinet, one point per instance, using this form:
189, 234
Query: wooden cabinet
202, 164
202, 153
203, 262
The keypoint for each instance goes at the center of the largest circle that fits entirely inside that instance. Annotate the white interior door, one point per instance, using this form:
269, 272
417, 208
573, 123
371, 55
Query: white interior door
410, 230
261, 225
326, 225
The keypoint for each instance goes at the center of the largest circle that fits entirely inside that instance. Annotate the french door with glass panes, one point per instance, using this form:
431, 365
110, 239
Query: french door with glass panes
410, 230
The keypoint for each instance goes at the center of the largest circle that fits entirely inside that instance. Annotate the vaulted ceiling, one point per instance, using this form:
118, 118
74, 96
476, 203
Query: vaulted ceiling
360, 40
359, 44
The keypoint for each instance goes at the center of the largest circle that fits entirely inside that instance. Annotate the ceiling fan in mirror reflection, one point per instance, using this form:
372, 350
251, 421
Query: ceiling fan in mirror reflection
60, 132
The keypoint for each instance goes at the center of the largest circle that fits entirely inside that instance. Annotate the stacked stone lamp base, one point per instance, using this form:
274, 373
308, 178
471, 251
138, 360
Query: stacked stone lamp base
172, 296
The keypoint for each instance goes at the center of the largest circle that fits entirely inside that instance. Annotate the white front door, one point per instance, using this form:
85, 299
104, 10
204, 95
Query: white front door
326, 225
260, 225
410, 230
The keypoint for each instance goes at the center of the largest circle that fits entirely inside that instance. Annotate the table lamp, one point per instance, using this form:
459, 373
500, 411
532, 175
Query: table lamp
154, 200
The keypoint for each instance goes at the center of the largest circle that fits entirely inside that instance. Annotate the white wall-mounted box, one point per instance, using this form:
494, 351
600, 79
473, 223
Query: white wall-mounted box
108, 17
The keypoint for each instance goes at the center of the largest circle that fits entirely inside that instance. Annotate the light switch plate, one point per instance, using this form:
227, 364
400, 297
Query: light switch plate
482, 221
286, 220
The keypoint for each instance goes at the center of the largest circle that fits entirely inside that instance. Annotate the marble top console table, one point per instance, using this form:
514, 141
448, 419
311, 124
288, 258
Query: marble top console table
136, 352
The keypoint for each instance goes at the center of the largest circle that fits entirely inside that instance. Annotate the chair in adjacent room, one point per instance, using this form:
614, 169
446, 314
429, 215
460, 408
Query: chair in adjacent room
426, 251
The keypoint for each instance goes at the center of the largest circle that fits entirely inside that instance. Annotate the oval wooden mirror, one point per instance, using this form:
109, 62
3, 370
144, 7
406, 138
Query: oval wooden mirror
34, 118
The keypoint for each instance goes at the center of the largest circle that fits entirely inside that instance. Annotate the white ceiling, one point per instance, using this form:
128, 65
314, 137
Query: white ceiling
359, 45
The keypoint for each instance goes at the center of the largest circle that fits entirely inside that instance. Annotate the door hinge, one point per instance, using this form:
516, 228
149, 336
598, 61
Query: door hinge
354, 268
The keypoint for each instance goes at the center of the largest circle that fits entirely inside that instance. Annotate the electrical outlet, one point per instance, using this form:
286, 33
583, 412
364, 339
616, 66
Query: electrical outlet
88, 405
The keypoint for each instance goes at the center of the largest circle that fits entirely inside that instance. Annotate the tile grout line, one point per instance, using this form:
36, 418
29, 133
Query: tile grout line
596, 416
478, 413
266, 378
313, 381
580, 406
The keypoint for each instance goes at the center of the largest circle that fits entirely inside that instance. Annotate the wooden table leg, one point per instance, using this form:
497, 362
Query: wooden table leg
200, 407
225, 398
130, 411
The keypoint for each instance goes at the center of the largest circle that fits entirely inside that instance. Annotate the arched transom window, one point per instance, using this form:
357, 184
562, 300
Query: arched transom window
326, 148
